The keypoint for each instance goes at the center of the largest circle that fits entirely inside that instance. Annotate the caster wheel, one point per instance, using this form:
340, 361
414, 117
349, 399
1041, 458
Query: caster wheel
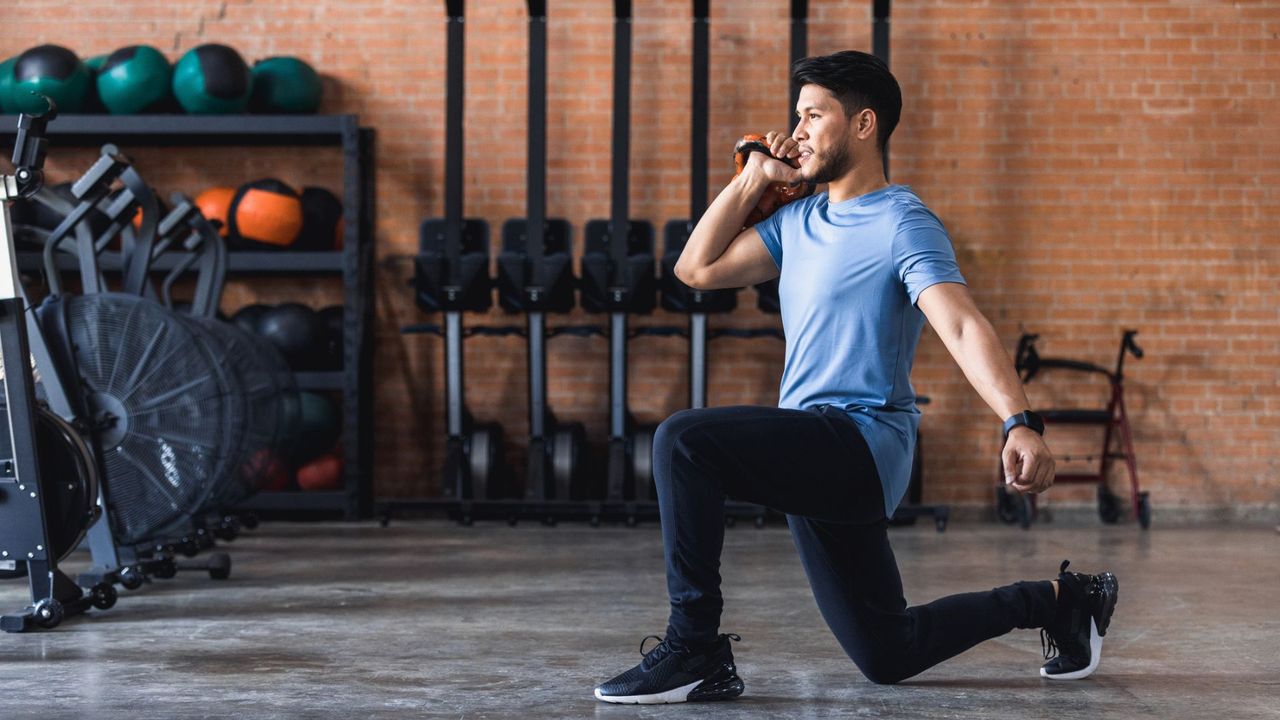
188, 548
759, 521
227, 533
513, 521
385, 521
466, 521
730, 521
594, 521
1007, 505
48, 613
1144, 510
250, 522
131, 578
103, 596
219, 566
165, 569
940, 523
1108, 505
631, 521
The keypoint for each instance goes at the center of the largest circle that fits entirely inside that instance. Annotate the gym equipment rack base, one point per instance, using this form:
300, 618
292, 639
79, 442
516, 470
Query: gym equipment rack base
550, 512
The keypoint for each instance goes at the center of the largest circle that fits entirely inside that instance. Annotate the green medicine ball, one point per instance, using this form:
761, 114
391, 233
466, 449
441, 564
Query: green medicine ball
92, 104
134, 79
52, 71
212, 80
6, 86
285, 85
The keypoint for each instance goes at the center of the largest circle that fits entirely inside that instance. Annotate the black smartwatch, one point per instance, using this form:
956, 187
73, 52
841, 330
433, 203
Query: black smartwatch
1024, 419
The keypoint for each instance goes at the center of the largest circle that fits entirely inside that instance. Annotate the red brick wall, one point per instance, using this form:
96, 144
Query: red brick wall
1099, 166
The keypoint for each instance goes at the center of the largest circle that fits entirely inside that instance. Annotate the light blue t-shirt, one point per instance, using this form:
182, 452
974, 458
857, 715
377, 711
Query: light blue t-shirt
851, 274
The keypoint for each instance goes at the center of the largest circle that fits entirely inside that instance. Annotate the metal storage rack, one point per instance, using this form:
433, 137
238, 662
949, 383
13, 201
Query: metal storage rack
354, 263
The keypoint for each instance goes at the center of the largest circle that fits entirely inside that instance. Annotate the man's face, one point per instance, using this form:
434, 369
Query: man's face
823, 135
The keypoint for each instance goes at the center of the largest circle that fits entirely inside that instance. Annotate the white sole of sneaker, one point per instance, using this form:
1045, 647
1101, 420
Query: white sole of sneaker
677, 695
1095, 655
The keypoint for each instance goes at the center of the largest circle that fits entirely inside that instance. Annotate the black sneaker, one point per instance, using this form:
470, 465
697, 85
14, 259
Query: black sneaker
671, 675
1073, 643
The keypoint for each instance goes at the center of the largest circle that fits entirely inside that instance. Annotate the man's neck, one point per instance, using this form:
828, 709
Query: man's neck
861, 179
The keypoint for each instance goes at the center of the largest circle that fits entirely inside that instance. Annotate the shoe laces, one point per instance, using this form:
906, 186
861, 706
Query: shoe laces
1047, 644
664, 648
659, 651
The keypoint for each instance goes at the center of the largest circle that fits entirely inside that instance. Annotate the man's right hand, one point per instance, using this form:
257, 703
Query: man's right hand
774, 169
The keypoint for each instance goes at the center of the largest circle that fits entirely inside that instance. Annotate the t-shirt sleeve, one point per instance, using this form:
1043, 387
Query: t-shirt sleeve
922, 253
770, 230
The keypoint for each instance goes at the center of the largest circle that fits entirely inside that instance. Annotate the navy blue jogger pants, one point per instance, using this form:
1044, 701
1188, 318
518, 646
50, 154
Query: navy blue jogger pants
814, 466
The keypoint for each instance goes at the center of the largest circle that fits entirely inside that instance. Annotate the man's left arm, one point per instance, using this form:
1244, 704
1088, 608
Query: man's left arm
972, 341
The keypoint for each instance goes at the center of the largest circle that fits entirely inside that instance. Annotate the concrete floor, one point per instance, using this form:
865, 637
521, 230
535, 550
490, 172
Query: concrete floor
431, 620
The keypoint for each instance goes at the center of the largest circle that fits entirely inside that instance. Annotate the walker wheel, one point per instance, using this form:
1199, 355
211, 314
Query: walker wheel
1007, 503
1144, 510
1108, 505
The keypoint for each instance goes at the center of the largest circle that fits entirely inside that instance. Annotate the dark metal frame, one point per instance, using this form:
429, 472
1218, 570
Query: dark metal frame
354, 263
24, 516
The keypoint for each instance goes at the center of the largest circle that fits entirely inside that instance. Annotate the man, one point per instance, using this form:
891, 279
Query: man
861, 267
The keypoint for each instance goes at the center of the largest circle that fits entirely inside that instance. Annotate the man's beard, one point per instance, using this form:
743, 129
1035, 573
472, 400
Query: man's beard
831, 166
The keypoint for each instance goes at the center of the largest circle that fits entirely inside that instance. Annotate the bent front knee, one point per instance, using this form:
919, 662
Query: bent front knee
884, 669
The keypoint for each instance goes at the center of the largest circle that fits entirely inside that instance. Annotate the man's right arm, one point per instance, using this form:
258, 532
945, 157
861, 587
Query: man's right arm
719, 253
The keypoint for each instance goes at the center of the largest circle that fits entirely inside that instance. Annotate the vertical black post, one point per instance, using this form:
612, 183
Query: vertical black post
453, 170
620, 170
699, 105
880, 48
618, 479
537, 463
799, 49
457, 469
537, 171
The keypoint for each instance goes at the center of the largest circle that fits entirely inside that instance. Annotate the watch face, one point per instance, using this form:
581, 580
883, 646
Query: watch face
1032, 421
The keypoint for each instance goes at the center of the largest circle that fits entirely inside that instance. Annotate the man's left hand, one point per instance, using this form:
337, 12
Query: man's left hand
1028, 464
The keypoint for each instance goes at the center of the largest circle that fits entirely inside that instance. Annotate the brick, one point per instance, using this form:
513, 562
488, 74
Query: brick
1097, 168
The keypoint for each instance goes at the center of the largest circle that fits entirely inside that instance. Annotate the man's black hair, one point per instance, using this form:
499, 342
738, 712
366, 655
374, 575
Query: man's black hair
859, 81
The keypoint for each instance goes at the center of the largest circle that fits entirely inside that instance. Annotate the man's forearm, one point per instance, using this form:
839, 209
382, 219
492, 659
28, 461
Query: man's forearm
988, 367
721, 223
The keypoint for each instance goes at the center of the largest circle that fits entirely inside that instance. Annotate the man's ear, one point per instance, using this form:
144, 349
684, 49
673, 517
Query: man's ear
864, 123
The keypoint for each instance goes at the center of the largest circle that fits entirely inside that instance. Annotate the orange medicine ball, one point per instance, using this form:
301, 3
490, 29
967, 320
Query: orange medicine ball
267, 212
323, 473
214, 204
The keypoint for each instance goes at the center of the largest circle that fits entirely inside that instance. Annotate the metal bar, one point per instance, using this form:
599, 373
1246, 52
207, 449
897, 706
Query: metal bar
358, 340
537, 374
697, 360
620, 178
453, 151
453, 372
699, 106
536, 204
799, 49
617, 375
880, 48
